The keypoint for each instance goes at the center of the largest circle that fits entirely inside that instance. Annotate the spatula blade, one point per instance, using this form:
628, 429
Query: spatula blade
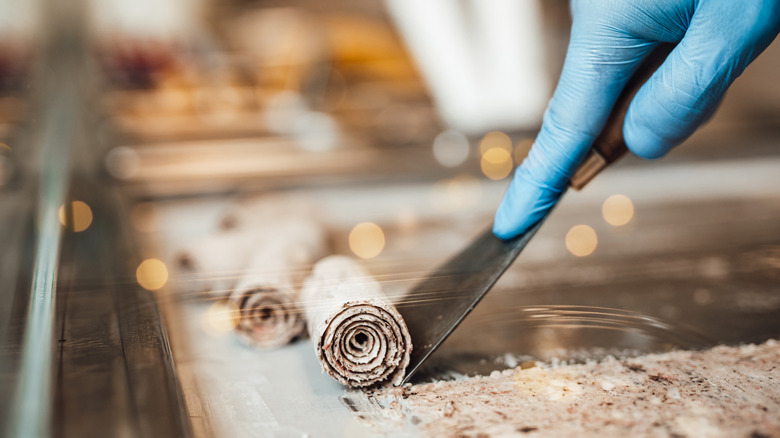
435, 306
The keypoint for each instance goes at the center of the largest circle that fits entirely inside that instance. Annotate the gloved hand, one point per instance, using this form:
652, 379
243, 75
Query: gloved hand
609, 39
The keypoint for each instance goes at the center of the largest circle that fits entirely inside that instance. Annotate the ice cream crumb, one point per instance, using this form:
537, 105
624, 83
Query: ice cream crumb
725, 391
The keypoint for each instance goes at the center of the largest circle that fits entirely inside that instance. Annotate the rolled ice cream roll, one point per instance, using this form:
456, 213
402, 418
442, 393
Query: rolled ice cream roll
359, 337
268, 296
267, 301
211, 264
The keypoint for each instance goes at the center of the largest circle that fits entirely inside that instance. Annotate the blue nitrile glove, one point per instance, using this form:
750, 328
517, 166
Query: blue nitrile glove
609, 39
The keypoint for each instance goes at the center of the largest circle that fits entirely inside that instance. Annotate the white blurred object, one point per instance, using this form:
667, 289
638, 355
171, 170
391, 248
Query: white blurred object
19, 19
317, 132
278, 36
483, 59
451, 148
282, 111
163, 20
288, 114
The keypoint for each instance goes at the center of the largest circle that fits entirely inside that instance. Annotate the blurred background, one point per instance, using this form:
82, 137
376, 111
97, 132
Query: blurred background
129, 128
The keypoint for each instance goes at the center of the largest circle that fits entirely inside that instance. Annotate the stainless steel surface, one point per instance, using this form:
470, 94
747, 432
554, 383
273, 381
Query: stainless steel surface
434, 308
29, 416
660, 282
15, 262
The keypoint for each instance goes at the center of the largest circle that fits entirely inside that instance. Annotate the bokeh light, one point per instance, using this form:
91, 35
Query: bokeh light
221, 317
450, 148
152, 274
617, 210
122, 162
316, 132
496, 163
366, 240
581, 240
495, 140
78, 219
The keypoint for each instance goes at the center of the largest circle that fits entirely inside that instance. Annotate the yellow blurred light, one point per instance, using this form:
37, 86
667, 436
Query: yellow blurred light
617, 210
152, 274
496, 163
522, 149
493, 140
581, 240
80, 217
366, 240
63, 216
221, 317
5, 146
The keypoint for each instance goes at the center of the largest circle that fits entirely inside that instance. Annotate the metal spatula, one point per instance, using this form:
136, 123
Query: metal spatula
435, 307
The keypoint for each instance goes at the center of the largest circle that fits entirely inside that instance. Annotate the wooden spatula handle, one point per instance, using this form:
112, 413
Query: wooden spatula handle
610, 144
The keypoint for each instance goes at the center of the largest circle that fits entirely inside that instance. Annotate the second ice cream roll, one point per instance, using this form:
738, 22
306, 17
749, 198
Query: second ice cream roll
359, 337
268, 295
209, 266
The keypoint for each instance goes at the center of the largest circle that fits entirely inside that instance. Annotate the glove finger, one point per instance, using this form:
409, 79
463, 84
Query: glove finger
723, 38
597, 66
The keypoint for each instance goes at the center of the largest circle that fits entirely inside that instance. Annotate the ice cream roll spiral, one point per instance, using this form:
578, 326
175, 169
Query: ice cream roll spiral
359, 337
268, 296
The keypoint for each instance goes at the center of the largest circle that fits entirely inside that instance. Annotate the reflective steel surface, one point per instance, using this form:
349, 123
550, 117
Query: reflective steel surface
686, 273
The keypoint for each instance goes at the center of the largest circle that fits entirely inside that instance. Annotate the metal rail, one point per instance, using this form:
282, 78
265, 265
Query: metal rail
31, 415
